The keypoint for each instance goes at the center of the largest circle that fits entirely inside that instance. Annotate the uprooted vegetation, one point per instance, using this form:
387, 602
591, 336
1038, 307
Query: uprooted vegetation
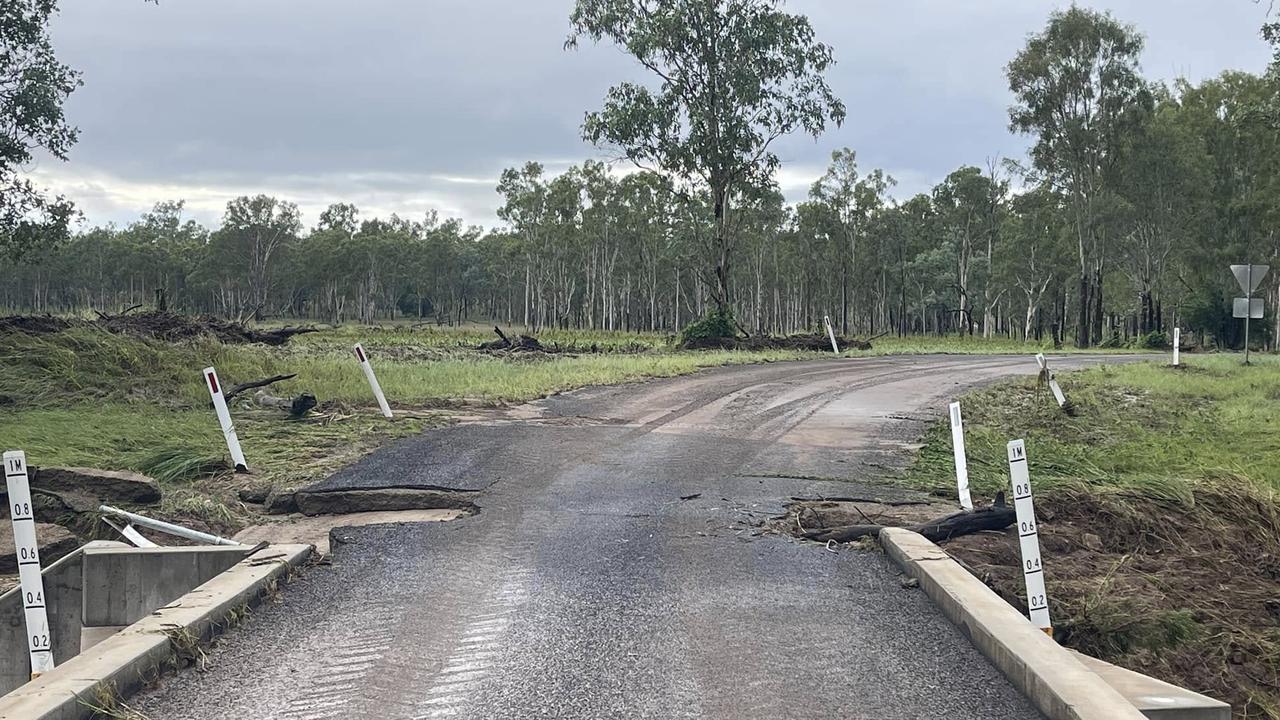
719, 330
156, 325
1158, 515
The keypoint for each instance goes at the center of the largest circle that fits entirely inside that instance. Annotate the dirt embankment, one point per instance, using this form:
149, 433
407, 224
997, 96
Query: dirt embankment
1185, 590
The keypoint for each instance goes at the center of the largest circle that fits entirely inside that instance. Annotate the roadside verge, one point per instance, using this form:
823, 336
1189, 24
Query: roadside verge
1052, 677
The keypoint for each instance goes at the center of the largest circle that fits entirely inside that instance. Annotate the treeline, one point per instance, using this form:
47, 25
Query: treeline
1121, 223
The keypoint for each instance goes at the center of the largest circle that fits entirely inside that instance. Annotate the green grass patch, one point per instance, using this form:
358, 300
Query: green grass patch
1142, 426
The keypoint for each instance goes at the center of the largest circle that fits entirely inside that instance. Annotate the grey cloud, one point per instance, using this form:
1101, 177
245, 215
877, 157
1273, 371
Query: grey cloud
408, 105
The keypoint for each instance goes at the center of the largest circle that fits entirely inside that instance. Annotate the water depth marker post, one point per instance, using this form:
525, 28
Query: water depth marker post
39, 646
224, 418
373, 381
831, 333
962, 462
1177, 346
1029, 537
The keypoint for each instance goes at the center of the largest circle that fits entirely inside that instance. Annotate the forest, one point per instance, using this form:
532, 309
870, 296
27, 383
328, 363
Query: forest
1120, 223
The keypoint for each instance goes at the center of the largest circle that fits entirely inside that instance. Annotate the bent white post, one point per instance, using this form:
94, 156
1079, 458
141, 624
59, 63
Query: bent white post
1029, 538
1053, 381
962, 462
164, 527
373, 381
224, 418
39, 645
1177, 346
831, 333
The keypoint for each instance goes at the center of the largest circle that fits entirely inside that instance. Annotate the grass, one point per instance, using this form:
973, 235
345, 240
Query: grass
87, 397
1159, 512
1143, 426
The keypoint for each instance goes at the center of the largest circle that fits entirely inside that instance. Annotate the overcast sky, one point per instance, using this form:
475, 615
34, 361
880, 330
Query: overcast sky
412, 105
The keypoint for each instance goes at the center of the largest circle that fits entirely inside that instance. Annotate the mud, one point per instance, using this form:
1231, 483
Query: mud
1188, 593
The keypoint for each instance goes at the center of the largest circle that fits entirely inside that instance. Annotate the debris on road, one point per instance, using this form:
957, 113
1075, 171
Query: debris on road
834, 521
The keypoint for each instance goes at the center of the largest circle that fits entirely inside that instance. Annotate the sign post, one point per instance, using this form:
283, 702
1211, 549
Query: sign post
1249, 277
224, 419
1029, 537
831, 333
962, 462
1177, 346
39, 646
373, 381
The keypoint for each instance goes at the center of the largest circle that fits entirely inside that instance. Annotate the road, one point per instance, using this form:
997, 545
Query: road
586, 588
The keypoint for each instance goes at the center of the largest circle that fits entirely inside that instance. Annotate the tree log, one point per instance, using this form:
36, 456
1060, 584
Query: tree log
237, 389
996, 517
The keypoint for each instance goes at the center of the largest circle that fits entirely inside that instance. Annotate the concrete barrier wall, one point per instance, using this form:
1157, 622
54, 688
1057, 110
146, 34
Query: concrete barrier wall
124, 585
104, 585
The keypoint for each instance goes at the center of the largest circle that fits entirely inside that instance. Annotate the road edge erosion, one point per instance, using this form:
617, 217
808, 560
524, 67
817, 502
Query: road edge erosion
1055, 679
1158, 514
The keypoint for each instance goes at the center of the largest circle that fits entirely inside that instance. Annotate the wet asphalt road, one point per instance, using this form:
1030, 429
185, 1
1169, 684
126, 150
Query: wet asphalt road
586, 588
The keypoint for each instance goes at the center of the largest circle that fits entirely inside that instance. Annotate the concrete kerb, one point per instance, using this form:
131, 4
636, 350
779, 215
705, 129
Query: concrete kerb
1048, 674
141, 651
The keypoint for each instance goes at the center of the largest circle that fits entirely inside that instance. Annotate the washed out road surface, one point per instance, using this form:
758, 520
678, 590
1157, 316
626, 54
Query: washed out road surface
587, 588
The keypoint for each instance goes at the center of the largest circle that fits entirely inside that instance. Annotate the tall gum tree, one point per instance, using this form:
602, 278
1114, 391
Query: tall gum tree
733, 77
853, 200
33, 87
1077, 85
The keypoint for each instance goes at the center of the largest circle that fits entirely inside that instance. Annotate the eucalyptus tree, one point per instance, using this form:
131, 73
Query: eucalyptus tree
247, 251
853, 199
33, 87
732, 76
1077, 85
1164, 182
1035, 226
963, 204
524, 193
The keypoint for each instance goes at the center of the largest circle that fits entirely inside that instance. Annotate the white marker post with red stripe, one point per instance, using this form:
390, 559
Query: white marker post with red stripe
22, 514
962, 461
1177, 346
224, 418
1029, 537
831, 333
373, 380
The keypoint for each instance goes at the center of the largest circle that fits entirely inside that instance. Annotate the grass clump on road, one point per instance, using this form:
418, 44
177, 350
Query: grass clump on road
1159, 515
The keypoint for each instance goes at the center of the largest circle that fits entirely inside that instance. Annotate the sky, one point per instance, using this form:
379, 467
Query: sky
409, 106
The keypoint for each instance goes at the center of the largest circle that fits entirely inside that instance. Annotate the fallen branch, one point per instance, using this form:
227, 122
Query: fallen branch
996, 517
237, 389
